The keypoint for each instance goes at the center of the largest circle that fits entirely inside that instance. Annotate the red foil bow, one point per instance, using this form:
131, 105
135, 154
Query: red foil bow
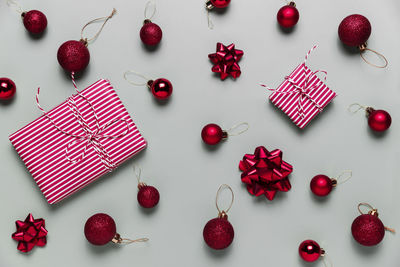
226, 60
265, 172
30, 233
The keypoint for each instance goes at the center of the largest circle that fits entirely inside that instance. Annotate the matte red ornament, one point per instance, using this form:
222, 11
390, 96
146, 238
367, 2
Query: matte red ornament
212, 134
378, 120
218, 233
226, 60
150, 33
30, 233
321, 185
148, 196
288, 15
160, 88
354, 30
34, 21
265, 173
7, 89
100, 229
310, 251
73, 56
218, 3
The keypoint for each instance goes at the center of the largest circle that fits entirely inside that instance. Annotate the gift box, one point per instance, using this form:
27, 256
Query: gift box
75, 143
302, 95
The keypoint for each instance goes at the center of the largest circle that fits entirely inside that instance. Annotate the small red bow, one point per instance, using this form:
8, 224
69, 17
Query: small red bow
265, 172
226, 61
30, 233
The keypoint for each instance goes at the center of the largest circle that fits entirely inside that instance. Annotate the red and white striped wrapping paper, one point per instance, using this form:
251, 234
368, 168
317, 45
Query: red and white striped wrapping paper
288, 103
43, 148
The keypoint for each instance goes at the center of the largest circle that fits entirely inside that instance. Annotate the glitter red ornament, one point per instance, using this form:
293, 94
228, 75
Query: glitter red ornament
288, 15
218, 233
226, 60
368, 229
30, 233
310, 251
321, 185
378, 120
150, 33
34, 21
212, 134
74, 56
100, 229
148, 196
161, 88
7, 89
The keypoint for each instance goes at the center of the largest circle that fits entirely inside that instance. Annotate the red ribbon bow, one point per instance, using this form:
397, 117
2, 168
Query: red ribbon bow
30, 233
226, 60
265, 172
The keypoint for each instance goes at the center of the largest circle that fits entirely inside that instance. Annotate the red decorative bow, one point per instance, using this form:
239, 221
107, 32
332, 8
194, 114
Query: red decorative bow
226, 61
265, 172
30, 233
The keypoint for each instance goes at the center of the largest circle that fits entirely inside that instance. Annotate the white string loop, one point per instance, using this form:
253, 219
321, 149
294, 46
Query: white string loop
137, 74
150, 4
231, 131
342, 181
15, 5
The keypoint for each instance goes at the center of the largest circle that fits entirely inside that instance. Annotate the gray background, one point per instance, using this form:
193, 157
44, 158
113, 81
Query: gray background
188, 174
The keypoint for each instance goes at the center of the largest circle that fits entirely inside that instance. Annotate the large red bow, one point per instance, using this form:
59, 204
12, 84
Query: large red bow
226, 60
30, 233
265, 172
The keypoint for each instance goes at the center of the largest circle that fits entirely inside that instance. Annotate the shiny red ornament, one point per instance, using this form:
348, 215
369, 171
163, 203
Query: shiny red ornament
34, 21
218, 233
310, 251
150, 33
354, 30
218, 3
7, 89
288, 15
368, 230
30, 233
265, 173
212, 134
73, 56
160, 88
321, 185
226, 60
148, 196
378, 120
100, 229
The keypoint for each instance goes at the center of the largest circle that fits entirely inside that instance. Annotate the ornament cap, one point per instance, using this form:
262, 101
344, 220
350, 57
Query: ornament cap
146, 21
150, 83
23, 14
223, 215
291, 3
117, 239
209, 5
323, 252
84, 41
224, 135
373, 212
334, 182
368, 111
141, 185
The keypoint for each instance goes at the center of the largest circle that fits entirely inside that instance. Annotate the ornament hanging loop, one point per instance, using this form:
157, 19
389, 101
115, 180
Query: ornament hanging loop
354, 108
138, 173
86, 41
344, 177
16, 6
118, 240
326, 260
137, 74
231, 131
223, 213
363, 48
209, 6
150, 5
371, 211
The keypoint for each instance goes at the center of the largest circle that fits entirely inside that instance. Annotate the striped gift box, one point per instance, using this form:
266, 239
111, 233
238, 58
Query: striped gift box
60, 163
302, 95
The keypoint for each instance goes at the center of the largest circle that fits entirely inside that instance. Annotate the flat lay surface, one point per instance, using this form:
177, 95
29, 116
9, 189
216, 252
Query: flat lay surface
186, 172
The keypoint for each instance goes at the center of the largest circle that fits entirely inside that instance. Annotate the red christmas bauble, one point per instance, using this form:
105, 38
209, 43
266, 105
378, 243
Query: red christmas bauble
34, 21
148, 196
150, 33
354, 30
100, 229
379, 120
161, 88
218, 233
321, 185
288, 16
368, 230
73, 56
309, 250
7, 89
212, 134
220, 3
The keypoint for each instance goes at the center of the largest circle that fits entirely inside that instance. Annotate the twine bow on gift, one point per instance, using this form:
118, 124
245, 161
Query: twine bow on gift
304, 90
91, 137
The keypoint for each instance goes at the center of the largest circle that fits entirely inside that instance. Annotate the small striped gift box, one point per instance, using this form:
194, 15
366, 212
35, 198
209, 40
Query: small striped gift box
75, 143
302, 95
